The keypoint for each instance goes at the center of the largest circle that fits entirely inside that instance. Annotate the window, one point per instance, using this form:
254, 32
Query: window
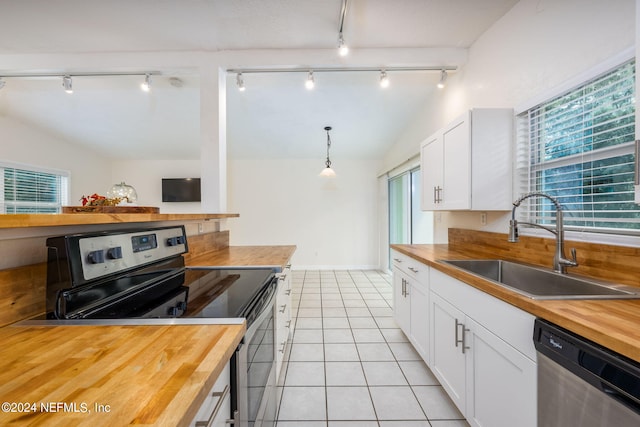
579, 148
31, 190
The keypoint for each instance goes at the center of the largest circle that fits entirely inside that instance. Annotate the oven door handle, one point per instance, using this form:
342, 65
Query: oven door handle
267, 310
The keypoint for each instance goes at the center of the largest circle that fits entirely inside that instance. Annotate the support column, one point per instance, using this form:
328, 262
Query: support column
213, 136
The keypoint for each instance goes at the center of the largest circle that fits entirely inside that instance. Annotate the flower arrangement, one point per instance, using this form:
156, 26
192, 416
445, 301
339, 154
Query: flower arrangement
98, 200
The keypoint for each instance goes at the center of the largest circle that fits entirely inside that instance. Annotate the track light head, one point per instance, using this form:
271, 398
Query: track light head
310, 83
343, 49
240, 82
146, 85
384, 79
67, 84
443, 78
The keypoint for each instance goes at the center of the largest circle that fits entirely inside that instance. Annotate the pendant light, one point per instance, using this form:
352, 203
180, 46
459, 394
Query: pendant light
327, 171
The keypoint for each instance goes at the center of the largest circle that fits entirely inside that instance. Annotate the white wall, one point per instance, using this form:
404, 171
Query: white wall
535, 47
27, 145
146, 177
333, 222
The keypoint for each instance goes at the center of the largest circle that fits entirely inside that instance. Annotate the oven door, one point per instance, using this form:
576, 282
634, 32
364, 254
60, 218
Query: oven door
253, 368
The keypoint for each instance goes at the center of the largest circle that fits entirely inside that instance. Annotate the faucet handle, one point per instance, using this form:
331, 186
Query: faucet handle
573, 257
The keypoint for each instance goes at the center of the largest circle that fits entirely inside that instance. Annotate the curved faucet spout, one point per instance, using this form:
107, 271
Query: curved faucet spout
560, 261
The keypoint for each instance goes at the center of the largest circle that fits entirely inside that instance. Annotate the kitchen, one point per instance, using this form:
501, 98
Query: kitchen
529, 51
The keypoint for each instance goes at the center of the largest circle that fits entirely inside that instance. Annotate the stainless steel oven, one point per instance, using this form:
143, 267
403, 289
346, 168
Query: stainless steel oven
141, 274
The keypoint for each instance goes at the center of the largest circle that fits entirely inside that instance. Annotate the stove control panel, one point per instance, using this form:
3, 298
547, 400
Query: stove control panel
105, 254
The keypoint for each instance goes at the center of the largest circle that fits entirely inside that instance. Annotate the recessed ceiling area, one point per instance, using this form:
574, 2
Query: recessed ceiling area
275, 117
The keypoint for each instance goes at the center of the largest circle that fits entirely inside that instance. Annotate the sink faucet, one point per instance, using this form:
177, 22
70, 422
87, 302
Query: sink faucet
560, 261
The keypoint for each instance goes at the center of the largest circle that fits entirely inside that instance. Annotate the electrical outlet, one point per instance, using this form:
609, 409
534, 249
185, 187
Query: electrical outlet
200, 228
483, 218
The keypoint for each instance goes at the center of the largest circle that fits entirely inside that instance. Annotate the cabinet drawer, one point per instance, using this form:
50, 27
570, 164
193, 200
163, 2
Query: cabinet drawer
216, 409
411, 267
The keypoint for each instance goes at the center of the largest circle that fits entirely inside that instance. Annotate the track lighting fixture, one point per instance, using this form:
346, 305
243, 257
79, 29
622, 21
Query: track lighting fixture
240, 82
146, 85
310, 83
384, 79
343, 49
67, 84
443, 78
327, 171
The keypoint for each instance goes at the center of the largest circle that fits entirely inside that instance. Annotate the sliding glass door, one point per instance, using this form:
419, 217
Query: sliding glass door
407, 223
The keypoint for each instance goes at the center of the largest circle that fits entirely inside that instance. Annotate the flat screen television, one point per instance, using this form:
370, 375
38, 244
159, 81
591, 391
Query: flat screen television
180, 189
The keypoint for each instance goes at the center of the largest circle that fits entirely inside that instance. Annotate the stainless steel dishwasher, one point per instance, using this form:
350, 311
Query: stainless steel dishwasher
581, 383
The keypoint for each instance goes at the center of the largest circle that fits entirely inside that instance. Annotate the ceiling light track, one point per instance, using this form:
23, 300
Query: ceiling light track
341, 69
84, 74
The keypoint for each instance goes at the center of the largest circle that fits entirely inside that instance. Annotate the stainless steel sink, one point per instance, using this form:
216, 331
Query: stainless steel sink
539, 283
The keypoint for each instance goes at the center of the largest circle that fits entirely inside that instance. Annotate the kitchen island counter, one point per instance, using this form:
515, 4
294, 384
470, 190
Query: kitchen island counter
111, 375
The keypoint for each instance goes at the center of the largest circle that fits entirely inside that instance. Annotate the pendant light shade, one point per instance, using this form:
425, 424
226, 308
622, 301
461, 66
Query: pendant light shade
327, 171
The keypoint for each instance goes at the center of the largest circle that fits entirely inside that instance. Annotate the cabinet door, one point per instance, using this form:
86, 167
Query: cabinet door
401, 304
447, 358
431, 170
419, 314
501, 382
456, 193
216, 408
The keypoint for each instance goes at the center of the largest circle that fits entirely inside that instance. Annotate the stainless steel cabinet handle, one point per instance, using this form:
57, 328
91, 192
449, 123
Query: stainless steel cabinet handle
287, 292
283, 277
413, 269
288, 324
462, 341
283, 308
435, 194
397, 260
284, 344
404, 288
221, 395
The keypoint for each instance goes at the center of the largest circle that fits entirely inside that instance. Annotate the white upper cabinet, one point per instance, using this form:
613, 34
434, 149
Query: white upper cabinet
467, 165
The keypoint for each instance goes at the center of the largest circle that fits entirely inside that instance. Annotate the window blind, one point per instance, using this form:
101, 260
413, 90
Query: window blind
579, 148
33, 191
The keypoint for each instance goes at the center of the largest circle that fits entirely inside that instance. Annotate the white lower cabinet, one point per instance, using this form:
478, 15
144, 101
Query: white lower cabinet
501, 382
411, 300
447, 356
216, 409
283, 318
491, 378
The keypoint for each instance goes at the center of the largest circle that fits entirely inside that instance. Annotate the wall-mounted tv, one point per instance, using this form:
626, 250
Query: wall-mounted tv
180, 189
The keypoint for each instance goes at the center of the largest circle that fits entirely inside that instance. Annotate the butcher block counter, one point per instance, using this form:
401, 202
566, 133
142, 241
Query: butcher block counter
614, 324
112, 375
276, 257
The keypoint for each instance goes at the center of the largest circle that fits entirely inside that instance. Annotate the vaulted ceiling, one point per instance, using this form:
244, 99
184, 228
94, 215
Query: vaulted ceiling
275, 116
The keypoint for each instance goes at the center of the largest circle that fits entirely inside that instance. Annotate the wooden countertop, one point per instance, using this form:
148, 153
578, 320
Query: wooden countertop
614, 324
147, 375
240, 256
53, 220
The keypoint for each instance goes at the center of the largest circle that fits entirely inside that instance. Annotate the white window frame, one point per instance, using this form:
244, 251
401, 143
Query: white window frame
65, 176
521, 182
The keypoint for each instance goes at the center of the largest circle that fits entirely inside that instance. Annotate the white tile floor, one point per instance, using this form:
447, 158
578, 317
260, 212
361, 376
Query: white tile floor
350, 365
